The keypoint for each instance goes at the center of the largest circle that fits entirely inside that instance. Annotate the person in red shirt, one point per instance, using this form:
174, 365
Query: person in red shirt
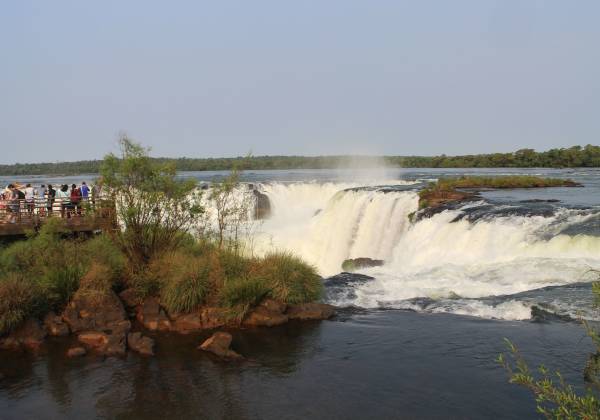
76, 199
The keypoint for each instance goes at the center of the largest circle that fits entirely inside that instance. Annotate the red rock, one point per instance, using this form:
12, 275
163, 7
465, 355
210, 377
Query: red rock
130, 298
95, 339
55, 325
219, 344
30, 335
76, 352
93, 311
263, 317
308, 311
143, 345
152, 317
273, 305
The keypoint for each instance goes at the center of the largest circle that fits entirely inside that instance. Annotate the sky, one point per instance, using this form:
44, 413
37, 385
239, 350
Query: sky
227, 78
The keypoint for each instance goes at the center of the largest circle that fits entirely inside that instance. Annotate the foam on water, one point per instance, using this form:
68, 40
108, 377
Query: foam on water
437, 257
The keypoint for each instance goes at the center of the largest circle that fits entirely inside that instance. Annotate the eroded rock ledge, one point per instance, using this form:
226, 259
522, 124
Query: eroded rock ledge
103, 323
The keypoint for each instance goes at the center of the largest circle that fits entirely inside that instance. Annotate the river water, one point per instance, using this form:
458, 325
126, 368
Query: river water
418, 337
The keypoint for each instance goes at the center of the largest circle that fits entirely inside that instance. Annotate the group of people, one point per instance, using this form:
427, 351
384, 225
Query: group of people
44, 200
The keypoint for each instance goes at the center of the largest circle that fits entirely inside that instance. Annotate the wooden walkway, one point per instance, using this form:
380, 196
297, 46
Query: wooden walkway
17, 217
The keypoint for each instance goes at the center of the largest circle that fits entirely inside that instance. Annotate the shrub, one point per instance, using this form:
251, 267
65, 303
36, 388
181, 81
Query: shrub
240, 295
102, 250
19, 299
290, 279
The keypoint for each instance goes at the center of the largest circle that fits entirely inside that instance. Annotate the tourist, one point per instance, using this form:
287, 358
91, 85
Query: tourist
13, 205
96, 191
40, 199
65, 204
85, 191
29, 198
76, 199
50, 196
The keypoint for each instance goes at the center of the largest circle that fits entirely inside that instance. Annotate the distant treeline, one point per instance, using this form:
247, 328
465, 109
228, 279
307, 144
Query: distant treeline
576, 156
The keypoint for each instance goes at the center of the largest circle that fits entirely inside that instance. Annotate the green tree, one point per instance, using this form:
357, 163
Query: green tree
154, 207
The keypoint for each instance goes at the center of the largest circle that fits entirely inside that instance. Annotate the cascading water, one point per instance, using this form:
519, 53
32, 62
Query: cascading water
438, 264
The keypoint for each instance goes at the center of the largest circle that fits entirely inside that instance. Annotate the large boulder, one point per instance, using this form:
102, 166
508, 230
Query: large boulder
131, 299
89, 311
219, 344
262, 206
110, 342
30, 335
141, 344
308, 311
55, 326
268, 314
354, 264
152, 316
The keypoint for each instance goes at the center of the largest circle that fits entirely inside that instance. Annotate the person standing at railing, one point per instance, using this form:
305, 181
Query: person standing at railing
40, 199
85, 191
29, 198
50, 196
76, 199
65, 204
13, 204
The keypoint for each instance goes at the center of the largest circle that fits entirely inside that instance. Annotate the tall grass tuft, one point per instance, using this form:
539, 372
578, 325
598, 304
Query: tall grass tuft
19, 299
184, 280
240, 295
290, 279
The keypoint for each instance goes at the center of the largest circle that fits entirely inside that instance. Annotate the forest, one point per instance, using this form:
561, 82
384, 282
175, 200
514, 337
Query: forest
576, 156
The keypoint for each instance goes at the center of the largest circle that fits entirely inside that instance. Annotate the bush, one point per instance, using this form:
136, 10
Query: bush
19, 299
240, 295
290, 279
102, 250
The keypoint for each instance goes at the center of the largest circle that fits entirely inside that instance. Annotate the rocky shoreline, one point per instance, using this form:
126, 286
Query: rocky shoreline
108, 324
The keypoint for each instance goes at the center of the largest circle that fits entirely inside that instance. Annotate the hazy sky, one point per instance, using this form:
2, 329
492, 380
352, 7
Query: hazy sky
222, 78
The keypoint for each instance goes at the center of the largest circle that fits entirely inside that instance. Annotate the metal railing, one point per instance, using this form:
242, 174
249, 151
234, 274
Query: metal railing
35, 211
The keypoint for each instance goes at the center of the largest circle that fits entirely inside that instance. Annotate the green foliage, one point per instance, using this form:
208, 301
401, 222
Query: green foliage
240, 295
554, 397
154, 206
290, 279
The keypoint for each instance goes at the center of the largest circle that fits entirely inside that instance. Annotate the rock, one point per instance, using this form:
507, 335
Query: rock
308, 311
219, 344
97, 311
76, 352
262, 207
263, 317
130, 298
273, 305
94, 339
55, 326
204, 318
152, 316
143, 345
30, 335
110, 342
354, 264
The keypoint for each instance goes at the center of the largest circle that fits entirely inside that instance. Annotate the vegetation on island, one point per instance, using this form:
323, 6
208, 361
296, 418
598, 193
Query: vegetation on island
572, 157
447, 190
165, 247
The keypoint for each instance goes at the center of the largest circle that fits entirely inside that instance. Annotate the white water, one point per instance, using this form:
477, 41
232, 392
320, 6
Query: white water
433, 258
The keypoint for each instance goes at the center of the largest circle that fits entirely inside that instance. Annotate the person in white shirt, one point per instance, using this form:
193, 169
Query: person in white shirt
29, 197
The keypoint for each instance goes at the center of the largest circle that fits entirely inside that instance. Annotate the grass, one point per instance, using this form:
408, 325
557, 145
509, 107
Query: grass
290, 279
186, 285
240, 295
19, 299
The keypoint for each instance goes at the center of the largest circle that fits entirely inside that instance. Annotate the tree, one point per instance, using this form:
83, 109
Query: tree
154, 207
